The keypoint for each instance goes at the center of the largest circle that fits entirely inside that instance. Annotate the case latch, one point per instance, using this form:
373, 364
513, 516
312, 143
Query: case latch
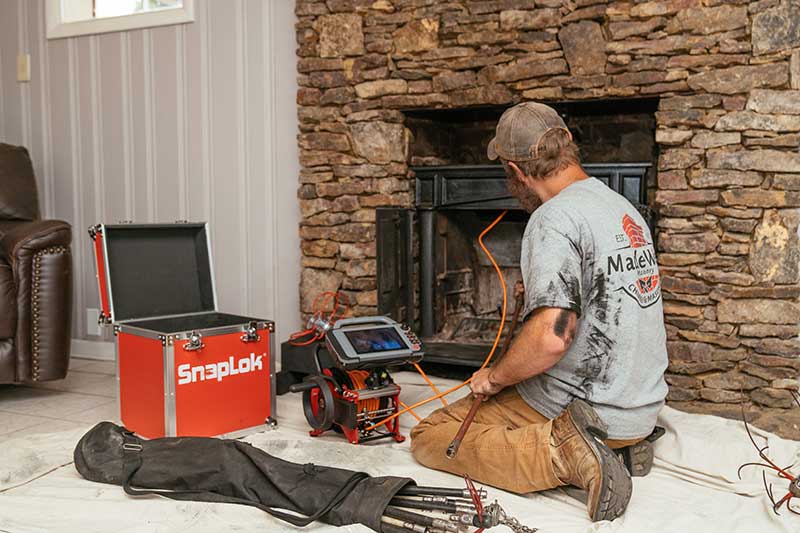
195, 342
251, 333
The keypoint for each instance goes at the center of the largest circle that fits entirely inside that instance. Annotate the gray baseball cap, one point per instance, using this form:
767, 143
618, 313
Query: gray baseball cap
521, 129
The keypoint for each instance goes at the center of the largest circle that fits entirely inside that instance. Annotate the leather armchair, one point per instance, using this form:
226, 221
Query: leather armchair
35, 278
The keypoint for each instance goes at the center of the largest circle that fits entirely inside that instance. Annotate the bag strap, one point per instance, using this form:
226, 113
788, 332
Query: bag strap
132, 462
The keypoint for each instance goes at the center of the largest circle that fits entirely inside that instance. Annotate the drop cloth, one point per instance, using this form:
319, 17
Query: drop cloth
693, 485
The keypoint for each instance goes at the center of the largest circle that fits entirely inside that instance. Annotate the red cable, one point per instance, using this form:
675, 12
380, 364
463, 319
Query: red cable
340, 307
294, 342
476, 500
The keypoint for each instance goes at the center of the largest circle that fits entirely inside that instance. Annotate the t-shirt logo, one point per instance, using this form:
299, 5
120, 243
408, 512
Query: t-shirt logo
638, 261
634, 232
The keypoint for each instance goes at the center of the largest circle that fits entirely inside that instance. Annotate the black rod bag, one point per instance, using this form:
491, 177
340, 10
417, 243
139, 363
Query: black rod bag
230, 471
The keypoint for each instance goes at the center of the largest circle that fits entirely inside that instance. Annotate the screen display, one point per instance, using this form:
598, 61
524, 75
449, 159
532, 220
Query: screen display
375, 340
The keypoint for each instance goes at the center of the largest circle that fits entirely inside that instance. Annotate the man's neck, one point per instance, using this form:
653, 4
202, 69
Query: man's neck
550, 187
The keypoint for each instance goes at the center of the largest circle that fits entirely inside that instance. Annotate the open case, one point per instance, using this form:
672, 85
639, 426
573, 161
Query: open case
183, 368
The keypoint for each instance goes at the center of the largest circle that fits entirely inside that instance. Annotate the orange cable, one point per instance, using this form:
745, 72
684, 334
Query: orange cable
359, 380
338, 310
496, 339
415, 415
429, 382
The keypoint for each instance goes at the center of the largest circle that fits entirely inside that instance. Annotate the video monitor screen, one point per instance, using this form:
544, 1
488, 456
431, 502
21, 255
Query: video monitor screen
375, 340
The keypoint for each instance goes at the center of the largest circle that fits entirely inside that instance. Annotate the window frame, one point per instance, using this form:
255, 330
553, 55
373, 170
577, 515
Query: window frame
58, 29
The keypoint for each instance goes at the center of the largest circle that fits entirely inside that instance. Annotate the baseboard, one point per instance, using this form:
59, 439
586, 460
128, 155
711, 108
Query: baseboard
103, 351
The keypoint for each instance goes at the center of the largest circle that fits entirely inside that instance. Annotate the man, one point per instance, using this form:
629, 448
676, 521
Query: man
588, 363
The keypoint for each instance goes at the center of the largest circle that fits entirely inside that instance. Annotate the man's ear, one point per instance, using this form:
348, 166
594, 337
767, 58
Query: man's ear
519, 174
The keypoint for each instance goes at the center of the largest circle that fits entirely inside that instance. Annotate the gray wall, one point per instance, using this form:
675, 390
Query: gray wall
192, 122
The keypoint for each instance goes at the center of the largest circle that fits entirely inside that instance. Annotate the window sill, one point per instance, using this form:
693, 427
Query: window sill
57, 29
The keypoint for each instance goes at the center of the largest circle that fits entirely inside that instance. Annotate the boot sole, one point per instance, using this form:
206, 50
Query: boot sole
638, 458
615, 483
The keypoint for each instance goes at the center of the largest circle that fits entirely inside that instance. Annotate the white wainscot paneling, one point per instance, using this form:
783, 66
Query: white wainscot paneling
189, 121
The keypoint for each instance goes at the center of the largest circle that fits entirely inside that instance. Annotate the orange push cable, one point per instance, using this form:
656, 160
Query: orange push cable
359, 379
429, 382
496, 339
402, 404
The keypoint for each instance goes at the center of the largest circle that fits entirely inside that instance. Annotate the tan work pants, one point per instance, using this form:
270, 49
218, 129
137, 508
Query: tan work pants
507, 446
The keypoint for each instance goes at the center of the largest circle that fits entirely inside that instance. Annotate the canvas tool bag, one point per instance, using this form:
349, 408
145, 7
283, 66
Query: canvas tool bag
229, 471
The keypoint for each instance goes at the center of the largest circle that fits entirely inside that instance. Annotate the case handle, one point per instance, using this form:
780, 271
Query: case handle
195, 342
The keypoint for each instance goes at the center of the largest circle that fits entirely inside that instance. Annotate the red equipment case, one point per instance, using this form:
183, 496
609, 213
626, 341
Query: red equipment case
183, 368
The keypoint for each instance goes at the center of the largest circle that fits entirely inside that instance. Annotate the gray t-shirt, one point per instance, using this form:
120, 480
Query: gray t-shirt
589, 250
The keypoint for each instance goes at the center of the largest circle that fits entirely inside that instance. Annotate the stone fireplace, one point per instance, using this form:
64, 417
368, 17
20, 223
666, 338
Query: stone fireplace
722, 80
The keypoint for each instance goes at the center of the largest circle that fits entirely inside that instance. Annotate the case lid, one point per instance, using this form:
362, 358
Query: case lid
155, 270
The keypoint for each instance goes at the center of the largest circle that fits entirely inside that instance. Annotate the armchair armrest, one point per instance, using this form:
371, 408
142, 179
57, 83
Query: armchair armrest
41, 264
23, 239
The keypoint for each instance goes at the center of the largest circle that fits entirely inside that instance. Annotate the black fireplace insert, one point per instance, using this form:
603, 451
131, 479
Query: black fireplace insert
431, 273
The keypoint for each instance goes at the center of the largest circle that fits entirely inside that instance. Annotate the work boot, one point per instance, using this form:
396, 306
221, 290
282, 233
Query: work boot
581, 458
638, 458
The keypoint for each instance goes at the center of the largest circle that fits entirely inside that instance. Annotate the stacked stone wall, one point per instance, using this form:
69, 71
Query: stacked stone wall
728, 128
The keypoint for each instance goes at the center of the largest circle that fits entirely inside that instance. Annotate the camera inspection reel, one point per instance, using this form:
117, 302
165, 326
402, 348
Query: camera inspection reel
356, 391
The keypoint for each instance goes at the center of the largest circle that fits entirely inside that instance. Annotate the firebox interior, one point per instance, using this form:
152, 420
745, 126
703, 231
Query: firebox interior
606, 131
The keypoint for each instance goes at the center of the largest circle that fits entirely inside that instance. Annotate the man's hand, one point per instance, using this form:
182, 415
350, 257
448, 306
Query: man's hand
482, 383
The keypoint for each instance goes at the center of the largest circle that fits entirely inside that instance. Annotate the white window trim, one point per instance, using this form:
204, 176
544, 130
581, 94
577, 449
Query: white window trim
57, 28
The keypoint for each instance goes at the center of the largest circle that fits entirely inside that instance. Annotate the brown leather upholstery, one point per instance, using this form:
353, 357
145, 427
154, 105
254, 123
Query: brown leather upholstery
18, 198
35, 279
8, 302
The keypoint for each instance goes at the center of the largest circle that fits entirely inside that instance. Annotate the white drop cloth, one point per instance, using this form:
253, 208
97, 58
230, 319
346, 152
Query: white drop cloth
693, 486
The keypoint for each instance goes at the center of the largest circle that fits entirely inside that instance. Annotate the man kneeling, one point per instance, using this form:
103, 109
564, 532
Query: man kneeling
585, 374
